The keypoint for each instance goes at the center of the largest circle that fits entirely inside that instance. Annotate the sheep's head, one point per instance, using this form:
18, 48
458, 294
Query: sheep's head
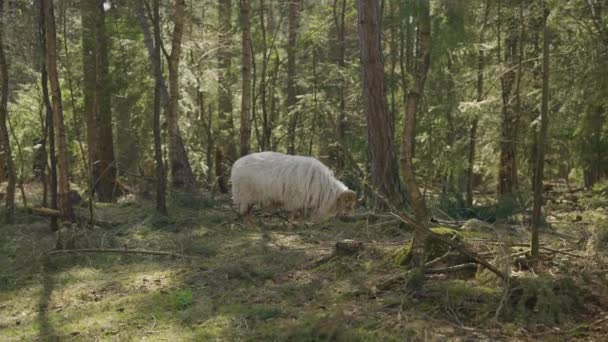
345, 204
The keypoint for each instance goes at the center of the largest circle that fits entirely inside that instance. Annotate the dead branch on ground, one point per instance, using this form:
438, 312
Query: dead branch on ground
123, 251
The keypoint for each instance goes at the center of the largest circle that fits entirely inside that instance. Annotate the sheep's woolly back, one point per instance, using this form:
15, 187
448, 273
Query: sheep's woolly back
292, 182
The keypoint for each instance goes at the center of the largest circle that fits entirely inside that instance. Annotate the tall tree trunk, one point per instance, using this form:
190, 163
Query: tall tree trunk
291, 75
380, 132
161, 178
225, 148
247, 52
507, 172
181, 171
48, 118
416, 93
107, 164
423, 60
98, 114
341, 126
97, 108
405, 51
5, 146
65, 205
540, 146
153, 44
475, 120
266, 122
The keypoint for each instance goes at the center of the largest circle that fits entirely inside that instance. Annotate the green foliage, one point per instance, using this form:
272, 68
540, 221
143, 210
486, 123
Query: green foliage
182, 299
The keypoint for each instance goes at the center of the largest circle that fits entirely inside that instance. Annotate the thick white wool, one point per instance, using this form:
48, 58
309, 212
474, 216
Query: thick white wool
294, 183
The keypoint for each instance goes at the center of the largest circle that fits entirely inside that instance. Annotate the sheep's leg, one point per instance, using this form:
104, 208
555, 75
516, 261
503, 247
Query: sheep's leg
245, 212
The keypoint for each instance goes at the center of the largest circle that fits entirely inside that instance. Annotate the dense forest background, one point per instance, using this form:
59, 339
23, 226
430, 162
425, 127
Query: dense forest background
433, 112
462, 81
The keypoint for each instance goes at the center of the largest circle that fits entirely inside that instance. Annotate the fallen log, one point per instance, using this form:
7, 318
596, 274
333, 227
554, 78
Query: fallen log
470, 265
48, 212
124, 251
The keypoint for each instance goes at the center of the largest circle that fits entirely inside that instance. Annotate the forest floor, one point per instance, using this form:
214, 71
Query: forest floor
274, 283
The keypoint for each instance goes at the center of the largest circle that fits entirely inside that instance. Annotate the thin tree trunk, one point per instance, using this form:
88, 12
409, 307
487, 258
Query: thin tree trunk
48, 118
507, 173
106, 186
247, 53
274, 111
381, 151
341, 125
416, 93
21, 159
540, 146
181, 171
225, 149
161, 178
266, 125
5, 146
291, 75
65, 206
423, 59
316, 107
475, 120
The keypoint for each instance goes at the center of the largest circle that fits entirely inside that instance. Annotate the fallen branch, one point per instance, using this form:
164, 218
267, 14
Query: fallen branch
438, 259
449, 223
46, 212
390, 282
110, 250
454, 244
369, 216
449, 269
562, 252
528, 245
42, 211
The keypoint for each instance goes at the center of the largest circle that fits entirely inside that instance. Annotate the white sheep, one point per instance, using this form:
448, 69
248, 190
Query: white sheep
296, 184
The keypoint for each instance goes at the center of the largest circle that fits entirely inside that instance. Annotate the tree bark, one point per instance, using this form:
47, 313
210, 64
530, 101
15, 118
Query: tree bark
540, 146
5, 147
507, 172
291, 75
48, 118
161, 178
475, 120
341, 125
181, 171
247, 52
98, 109
153, 44
266, 121
416, 93
380, 132
225, 149
65, 206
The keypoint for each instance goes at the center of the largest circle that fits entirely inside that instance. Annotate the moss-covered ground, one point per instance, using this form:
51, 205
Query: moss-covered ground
268, 282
